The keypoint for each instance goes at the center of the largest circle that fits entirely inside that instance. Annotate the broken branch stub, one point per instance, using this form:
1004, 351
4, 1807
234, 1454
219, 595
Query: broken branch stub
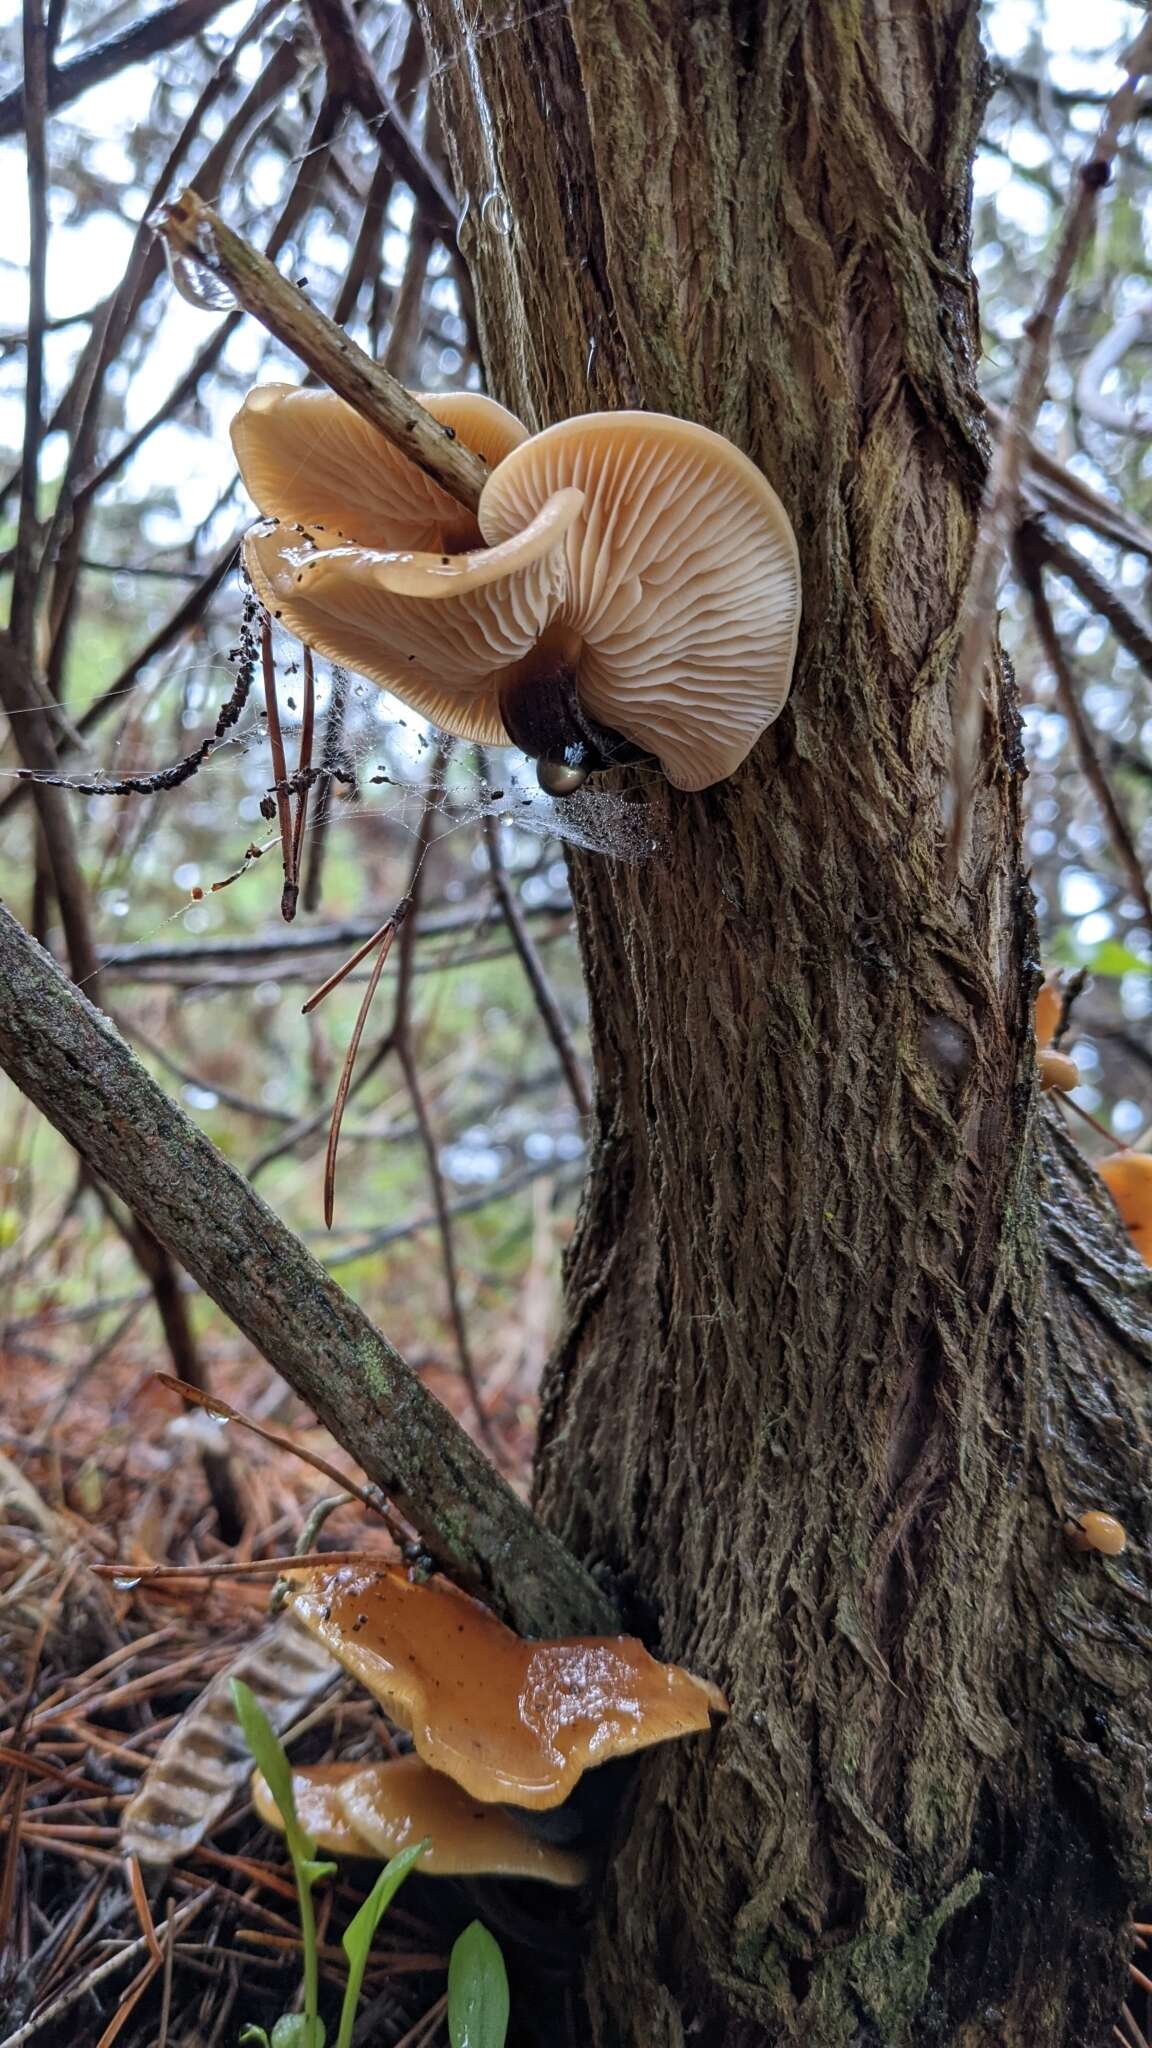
195, 234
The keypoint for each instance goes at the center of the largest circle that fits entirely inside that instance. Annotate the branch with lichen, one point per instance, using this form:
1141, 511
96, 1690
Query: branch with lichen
195, 234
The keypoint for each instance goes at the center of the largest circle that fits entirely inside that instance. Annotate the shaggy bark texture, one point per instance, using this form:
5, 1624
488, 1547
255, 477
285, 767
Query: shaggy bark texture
850, 1330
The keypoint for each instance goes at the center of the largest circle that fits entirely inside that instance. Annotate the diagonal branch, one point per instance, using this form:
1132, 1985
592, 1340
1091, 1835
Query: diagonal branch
69, 1060
195, 231
144, 39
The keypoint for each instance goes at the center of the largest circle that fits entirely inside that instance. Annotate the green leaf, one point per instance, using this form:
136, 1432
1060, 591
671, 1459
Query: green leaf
1108, 958
361, 1931
477, 1991
256, 2035
295, 2031
269, 1755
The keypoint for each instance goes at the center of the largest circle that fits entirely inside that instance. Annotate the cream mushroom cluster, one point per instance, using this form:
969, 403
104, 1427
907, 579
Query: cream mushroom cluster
496, 1722
629, 584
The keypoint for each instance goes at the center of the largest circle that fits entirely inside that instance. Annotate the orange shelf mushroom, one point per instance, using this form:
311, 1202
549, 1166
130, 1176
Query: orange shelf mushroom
377, 1809
1128, 1176
507, 1719
630, 582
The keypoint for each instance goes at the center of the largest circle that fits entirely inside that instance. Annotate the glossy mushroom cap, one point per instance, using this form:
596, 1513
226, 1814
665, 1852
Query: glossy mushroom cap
1128, 1176
1057, 1071
507, 1719
640, 586
1098, 1531
377, 1809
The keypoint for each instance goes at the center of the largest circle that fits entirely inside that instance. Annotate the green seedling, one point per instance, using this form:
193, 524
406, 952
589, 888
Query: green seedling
477, 1991
306, 2029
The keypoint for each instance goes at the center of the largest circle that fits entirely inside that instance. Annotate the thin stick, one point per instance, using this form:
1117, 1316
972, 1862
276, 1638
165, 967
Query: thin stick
345, 1082
1094, 1121
329, 761
386, 931
447, 1241
196, 231
1002, 490
253, 1568
304, 764
107, 1968
143, 1910
279, 773
212, 1405
25, 571
1068, 697
533, 967
166, 1987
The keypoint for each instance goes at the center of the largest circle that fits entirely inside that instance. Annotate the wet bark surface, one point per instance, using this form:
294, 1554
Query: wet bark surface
850, 1330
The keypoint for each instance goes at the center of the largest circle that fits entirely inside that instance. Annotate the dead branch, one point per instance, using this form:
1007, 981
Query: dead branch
196, 232
159, 31
1002, 491
1028, 561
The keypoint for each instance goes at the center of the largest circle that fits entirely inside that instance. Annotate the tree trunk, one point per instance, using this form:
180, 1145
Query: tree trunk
850, 1330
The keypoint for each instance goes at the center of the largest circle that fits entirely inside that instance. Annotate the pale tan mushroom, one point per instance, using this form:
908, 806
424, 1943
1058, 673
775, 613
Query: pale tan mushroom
644, 593
507, 1719
1095, 1530
1057, 1071
378, 1809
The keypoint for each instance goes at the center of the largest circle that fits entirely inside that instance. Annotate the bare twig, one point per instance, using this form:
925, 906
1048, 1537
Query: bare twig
532, 964
1002, 491
279, 774
329, 761
351, 72
197, 232
25, 571
387, 934
1118, 419
1068, 697
159, 31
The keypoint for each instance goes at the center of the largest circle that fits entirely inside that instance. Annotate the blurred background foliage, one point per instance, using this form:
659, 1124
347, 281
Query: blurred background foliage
145, 606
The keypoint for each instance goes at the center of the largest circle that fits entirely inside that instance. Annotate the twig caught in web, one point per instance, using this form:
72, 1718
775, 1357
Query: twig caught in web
179, 772
1002, 491
329, 763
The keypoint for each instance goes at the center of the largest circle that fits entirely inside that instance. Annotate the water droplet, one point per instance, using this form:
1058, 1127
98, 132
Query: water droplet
213, 1415
593, 350
496, 213
126, 1584
196, 283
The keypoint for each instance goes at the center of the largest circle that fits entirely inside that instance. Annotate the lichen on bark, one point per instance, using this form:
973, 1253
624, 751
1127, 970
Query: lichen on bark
848, 1331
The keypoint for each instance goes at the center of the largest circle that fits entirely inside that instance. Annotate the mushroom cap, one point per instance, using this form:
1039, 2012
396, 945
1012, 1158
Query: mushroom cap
316, 1791
377, 1809
1128, 1177
507, 1719
683, 581
1049, 1004
1102, 1532
308, 459
435, 628
1057, 1070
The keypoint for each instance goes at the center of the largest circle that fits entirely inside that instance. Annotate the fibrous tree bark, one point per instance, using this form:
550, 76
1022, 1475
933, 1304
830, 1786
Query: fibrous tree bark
849, 1328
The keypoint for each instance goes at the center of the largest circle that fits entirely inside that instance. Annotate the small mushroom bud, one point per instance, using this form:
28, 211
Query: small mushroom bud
1057, 1071
1097, 1531
1049, 1006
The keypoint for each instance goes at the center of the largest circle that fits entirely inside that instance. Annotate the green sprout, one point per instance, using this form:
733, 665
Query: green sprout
477, 1991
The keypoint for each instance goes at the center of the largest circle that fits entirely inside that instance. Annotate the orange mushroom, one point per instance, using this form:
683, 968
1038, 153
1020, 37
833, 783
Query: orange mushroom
1057, 1071
507, 1719
1128, 1176
377, 1809
1049, 1009
1098, 1531
639, 590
